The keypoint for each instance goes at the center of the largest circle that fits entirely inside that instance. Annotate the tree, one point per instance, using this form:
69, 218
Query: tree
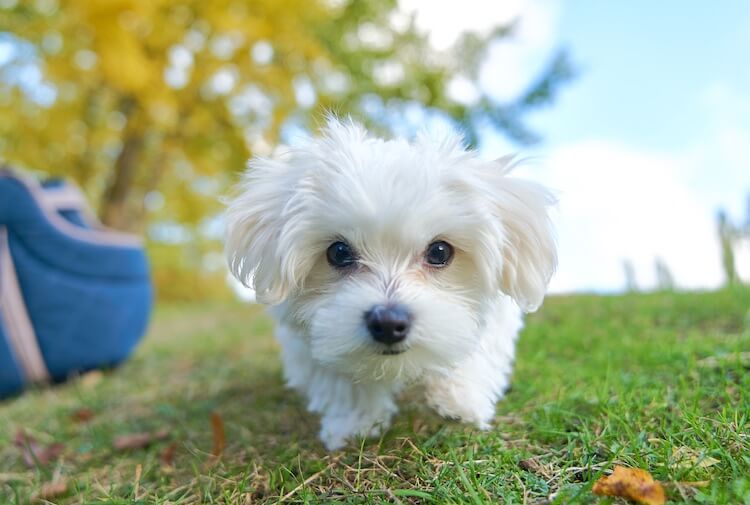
631, 283
152, 106
727, 238
664, 277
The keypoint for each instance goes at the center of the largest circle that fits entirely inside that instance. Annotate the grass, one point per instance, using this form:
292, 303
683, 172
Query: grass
656, 381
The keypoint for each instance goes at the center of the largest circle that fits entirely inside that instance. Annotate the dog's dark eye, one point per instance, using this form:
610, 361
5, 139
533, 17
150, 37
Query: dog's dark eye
340, 255
438, 254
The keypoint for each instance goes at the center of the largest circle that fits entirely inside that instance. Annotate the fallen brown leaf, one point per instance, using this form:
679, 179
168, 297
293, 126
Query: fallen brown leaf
167, 454
530, 465
82, 415
533, 465
50, 490
220, 441
138, 440
632, 483
687, 457
33, 453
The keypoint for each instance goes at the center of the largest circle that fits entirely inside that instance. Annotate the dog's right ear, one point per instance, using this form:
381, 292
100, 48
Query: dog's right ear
255, 220
527, 240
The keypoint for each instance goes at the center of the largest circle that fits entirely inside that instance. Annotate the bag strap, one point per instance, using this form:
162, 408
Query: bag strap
20, 331
69, 197
65, 197
96, 233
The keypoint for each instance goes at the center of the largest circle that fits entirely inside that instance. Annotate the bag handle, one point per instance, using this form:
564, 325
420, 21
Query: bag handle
65, 197
20, 331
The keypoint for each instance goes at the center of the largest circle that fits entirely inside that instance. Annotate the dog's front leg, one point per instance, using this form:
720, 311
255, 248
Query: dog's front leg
470, 391
347, 408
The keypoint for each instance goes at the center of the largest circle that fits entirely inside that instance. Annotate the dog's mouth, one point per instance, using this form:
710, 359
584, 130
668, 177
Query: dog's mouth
392, 352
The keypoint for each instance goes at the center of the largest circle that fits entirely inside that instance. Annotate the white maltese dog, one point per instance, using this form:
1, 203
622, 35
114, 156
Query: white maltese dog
391, 263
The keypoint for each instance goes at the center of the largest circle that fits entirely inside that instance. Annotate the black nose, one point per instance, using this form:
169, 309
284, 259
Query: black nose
388, 324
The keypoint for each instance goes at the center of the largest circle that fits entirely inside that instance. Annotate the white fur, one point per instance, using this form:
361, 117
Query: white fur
390, 199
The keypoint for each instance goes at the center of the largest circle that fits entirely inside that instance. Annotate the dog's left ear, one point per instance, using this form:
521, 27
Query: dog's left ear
528, 248
264, 227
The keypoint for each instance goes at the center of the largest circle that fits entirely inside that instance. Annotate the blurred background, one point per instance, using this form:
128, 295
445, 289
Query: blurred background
636, 113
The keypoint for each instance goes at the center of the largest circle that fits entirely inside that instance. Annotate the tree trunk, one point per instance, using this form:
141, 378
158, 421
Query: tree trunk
114, 207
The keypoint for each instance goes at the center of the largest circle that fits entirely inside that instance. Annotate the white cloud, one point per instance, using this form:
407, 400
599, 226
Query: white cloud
617, 203
445, 21
512, 63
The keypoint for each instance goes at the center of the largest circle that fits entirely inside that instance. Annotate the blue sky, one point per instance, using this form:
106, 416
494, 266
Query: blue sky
645, 67
649, 141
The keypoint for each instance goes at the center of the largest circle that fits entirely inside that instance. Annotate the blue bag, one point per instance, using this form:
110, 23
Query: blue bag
73, 295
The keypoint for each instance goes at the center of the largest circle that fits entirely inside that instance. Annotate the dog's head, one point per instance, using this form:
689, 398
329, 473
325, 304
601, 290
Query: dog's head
388, 254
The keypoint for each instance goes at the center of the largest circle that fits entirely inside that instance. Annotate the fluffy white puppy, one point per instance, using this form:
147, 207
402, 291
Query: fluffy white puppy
392, 263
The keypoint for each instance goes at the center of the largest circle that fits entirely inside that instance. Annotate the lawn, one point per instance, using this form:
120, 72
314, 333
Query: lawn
657, 381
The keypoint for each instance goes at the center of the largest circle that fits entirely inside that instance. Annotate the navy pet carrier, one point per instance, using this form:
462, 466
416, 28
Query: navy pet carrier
73, 295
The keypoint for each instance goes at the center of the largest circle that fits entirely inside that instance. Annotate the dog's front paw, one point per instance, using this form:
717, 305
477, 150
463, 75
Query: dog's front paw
332, 440
459, 401
337, 430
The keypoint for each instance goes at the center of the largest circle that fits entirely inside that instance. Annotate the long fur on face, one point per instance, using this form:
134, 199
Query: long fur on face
389, 200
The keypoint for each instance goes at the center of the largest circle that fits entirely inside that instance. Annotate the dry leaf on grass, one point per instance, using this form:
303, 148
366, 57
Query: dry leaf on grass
50, 490
167, 454
34, 454
82, 415
138, 440
686, 457
220, 441
534, 466
632, 483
